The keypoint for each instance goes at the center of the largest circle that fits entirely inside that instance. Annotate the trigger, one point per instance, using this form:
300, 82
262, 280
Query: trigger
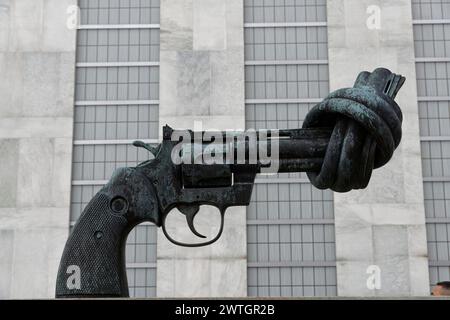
190, 212
190, 222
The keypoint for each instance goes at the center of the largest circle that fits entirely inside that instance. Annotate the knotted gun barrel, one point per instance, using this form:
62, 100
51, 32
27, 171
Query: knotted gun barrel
367, 129
352, 132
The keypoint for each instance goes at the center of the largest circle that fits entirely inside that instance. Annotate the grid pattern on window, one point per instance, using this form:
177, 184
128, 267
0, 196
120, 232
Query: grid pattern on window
277, 243
117, 88
286, 81
290, 232
432, 40
116, 122
431, 9
112, 45
432, 79
266, 11
292, 281
139, 280
438, 242
81, 195
290, 224
141, 245
98, 162
117, 83
434, 118
437, 204
288, 43
436, 158
437, 199
438, 273
290, 201
433, 82
119, 11
273, 116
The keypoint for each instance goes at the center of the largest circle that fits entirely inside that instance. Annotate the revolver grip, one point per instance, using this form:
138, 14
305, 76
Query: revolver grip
93, 261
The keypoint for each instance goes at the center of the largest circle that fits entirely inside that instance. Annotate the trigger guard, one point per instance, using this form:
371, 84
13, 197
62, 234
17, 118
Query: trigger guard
194, 245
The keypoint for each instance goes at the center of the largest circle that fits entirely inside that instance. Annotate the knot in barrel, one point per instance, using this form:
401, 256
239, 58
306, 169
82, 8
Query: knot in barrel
367, 130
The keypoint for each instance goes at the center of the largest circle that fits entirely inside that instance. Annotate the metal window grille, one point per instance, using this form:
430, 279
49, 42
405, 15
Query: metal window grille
286, 43
285, 11
117, 88
273, 116
290, 224
432, 48
434, 117
117, 45
117, 83
436, 158
430, 9
286, 82
119, 11
116, 122
432, 79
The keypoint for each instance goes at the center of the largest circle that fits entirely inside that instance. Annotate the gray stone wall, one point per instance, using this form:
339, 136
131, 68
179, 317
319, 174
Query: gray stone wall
37, 61
431, 31
385, 224
202, 79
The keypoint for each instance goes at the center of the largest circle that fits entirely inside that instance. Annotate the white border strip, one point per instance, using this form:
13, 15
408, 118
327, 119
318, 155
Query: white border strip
436, 179
111, 142
117, 26
275, 101
421, 22
428, 99
437, 220
439, 263
89, 182
283, 62
117, 64
435, 138
433, 59
280, 180
284, 24
290, 222
115, 102
281, 264
141, 265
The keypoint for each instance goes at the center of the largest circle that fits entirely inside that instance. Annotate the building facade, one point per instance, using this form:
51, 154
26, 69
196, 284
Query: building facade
78, 95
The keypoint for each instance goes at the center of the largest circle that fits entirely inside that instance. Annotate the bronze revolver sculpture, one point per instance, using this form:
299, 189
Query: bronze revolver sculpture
345, 137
